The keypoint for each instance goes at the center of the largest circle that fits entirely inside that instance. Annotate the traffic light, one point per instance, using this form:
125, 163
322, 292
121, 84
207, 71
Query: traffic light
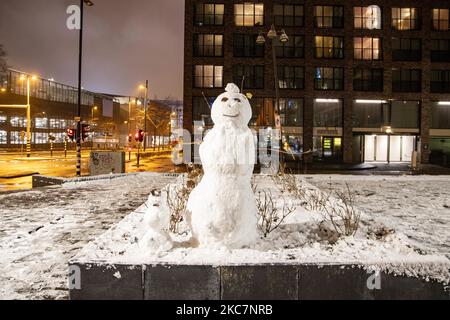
130, 138
85, 129
139, 136
71, 133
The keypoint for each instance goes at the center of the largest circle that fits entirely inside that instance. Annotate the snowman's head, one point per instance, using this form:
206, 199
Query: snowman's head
231, 107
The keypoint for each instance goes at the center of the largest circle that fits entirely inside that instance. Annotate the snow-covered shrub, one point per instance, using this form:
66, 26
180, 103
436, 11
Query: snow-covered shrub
177, 195
342, 213
270, 215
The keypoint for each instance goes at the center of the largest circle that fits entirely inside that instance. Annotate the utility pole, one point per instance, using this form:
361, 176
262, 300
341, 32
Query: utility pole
28, 119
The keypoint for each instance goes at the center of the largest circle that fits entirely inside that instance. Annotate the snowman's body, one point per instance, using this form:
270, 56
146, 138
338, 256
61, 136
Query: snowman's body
222, 206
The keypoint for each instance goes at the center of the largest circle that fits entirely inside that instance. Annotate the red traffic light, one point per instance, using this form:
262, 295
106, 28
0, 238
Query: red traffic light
139, 136
71, 133
130, 137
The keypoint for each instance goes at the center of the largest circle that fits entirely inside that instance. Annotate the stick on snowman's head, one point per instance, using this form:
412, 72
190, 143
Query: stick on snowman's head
231, 106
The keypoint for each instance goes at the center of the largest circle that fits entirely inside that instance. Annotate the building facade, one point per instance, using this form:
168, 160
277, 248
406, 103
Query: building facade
53, 111
359, 80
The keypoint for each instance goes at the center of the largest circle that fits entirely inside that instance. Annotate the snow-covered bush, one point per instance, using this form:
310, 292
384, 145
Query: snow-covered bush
271, 215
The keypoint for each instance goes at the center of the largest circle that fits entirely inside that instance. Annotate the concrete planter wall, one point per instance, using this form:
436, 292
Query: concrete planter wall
244, 282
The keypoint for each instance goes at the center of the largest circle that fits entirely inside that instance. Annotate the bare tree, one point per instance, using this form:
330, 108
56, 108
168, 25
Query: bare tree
3, 64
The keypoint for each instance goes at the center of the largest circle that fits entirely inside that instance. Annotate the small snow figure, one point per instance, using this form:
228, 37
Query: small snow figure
223, 207
156, 219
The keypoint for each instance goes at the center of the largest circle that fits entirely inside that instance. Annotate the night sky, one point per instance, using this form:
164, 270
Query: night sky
125, 43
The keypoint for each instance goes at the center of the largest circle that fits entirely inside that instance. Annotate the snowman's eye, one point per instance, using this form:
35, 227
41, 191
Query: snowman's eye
237, 100
224, 99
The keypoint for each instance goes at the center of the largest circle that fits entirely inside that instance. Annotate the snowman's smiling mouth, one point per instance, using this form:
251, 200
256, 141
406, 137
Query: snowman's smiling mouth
231, 115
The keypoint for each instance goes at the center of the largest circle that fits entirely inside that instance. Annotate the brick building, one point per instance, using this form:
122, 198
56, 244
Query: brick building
359, 80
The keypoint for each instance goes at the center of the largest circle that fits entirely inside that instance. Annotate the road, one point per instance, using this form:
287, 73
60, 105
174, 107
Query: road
13, 165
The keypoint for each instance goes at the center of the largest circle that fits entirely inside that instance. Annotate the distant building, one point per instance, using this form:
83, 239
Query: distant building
359, 81
53, 111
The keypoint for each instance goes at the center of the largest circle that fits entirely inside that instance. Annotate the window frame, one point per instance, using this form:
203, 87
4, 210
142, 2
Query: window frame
284, 16
244, 15
282, 71
258, 51
203, 15
395, 22
334, 79
407, 85
363, 19
253, 79
284, 48
367, 85
371, 49
337, 22
337, 52
203, 77
203, 46
439, 21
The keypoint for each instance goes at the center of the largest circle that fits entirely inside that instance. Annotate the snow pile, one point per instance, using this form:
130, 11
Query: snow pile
300, 239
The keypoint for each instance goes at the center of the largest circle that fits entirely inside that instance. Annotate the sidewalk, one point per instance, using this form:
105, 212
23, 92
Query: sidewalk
372, 169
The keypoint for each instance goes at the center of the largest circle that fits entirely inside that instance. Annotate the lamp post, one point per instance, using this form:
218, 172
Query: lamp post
80, 65
273, 35
28, 135
145, 111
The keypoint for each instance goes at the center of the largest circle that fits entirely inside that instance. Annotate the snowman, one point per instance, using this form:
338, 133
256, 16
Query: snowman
222, 207
157, 217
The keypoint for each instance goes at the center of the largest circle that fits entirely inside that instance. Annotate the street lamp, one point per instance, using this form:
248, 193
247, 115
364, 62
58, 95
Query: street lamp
142, 87
80, 64
28, 78
273, 35
94, 108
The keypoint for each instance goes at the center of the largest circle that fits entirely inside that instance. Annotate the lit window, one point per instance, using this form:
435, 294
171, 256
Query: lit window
41, 123
3, 119
367, 48
367, 17
208, 76
441, 19
3, 137
20, 122
406, 18
329, 47
329, 16
249, 14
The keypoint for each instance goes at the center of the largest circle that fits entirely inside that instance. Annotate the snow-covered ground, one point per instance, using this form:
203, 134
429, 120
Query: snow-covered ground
418, 206
41, 230
300, 240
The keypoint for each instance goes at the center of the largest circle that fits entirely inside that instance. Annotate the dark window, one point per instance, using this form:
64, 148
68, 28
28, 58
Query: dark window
245, 46
440, 81
249, 14
367, 48
368, 79
208, 45
440, 50
290, 77
405, 114
201, 110
288, 15
327, 78
207, 14
406, 80
294, 48
440, 115
253, 76
291, 112
329, 47
406, 49
406, 18
367, 115
329, 16
328, 113
441, 19
208, 76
